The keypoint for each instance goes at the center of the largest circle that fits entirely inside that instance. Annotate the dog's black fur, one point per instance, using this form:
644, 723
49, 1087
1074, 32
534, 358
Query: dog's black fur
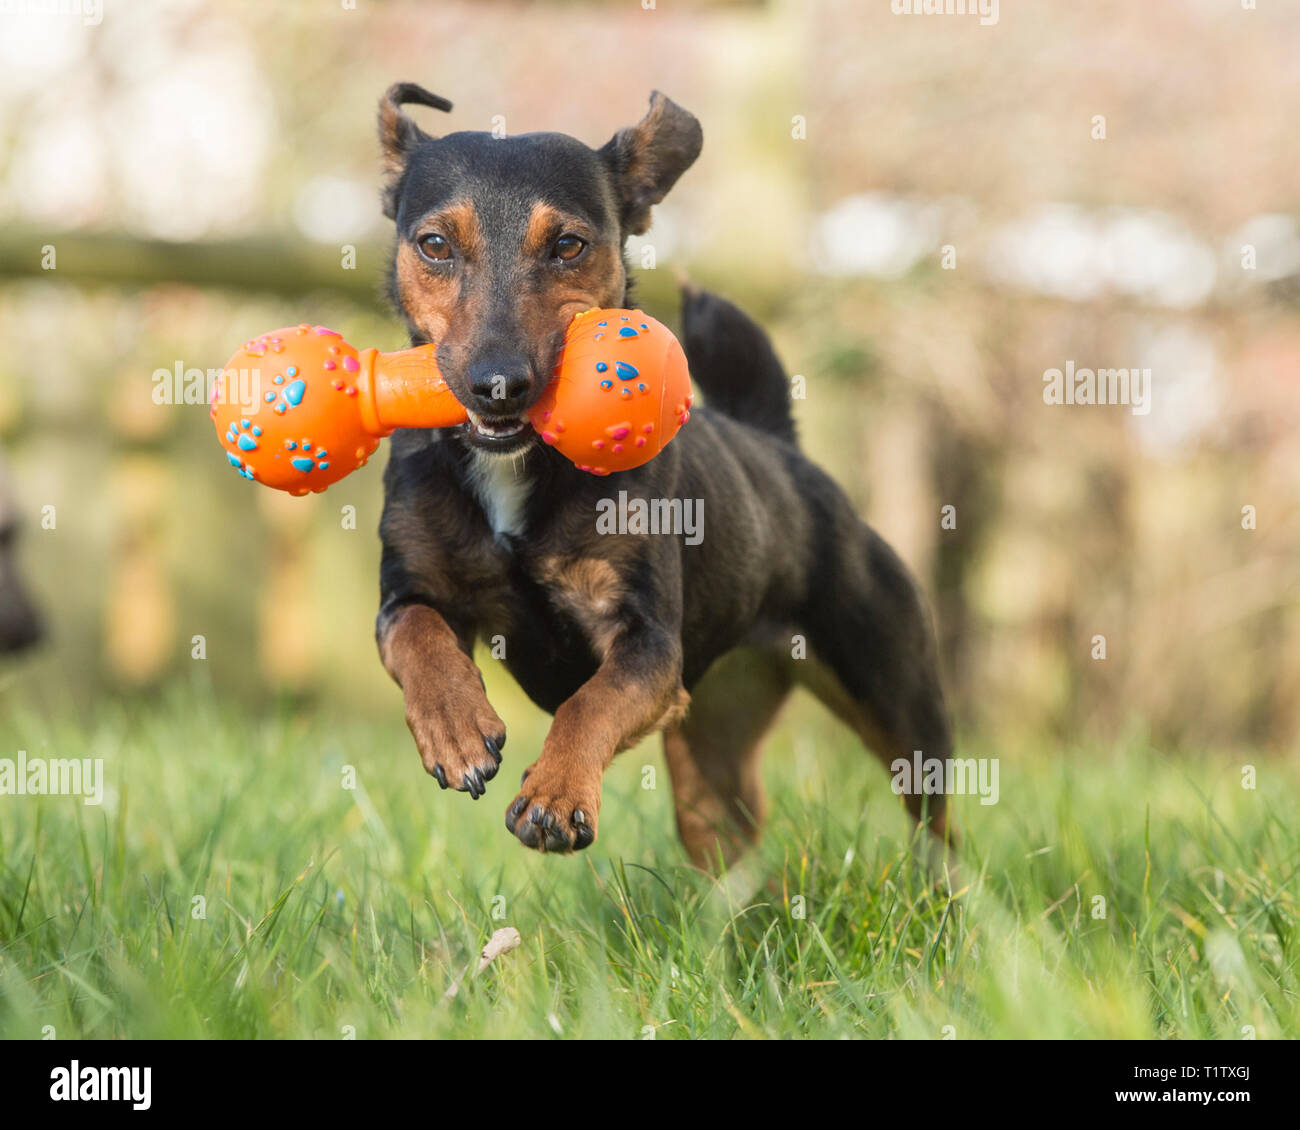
489, 534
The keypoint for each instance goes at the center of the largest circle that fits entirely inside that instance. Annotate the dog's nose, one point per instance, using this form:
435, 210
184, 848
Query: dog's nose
501, 384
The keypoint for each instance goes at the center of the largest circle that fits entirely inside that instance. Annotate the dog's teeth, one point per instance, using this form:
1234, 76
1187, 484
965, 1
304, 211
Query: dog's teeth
496, 429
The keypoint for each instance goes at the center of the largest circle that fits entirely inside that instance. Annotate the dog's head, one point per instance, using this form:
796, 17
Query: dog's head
502, 240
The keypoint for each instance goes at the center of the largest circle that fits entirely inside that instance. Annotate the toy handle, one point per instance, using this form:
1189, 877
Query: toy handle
404, 389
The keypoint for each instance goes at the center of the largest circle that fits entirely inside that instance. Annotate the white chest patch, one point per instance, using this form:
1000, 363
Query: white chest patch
502, 491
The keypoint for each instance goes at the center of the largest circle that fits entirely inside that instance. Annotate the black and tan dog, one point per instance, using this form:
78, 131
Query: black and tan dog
488, 533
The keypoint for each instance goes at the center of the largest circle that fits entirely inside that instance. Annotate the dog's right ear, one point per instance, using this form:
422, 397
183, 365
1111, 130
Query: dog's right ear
647, 159
398, 134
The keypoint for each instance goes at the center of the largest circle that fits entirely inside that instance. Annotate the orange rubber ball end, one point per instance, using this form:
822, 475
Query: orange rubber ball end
303, 430
621, 391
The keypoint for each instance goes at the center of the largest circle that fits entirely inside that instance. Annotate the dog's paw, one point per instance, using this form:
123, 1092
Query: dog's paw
553, 811
461, 749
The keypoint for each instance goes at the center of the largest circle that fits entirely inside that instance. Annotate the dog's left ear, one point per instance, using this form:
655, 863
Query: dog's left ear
398, 134
647, 159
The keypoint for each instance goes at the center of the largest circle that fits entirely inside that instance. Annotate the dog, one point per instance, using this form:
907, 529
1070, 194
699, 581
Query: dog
489, 534
20, 624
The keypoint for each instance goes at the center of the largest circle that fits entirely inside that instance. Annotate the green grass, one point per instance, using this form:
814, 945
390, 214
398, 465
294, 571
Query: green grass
330, 909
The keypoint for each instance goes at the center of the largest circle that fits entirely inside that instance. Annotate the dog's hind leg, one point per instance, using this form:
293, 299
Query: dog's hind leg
713, 754
878, 669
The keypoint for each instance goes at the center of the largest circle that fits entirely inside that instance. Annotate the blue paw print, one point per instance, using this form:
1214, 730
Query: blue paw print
245, 437
238, 464
290, 396
307, 462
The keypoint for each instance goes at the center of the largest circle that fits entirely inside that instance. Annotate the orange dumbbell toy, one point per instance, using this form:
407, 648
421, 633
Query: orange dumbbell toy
620, 392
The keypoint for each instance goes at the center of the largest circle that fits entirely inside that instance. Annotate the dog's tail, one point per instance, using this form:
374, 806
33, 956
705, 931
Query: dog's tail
733, 362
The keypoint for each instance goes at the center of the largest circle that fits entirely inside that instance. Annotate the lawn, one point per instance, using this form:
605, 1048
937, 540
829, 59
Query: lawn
231, 885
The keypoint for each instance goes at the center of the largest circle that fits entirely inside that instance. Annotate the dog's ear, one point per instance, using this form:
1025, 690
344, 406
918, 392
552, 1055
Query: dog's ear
398, 134
647, 158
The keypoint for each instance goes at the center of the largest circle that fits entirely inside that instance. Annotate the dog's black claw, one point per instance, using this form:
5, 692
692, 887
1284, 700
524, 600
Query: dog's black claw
528, 833
494, 748
490, 771
513, 813
585, 834
549, 832
473, 784
524, 776
440, 776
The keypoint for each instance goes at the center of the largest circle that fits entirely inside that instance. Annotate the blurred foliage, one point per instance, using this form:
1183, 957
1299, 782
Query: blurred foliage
923, 385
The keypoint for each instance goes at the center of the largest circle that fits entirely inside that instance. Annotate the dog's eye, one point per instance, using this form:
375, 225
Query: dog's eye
435, 246
567, 248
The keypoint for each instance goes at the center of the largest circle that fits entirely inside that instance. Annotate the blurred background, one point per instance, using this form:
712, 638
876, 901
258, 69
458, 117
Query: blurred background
926, 212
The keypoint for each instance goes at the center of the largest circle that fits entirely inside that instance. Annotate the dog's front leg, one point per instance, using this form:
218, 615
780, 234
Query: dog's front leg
457, 732
636, 690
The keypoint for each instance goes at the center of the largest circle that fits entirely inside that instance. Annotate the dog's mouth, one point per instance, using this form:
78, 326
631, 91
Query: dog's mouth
500, 434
